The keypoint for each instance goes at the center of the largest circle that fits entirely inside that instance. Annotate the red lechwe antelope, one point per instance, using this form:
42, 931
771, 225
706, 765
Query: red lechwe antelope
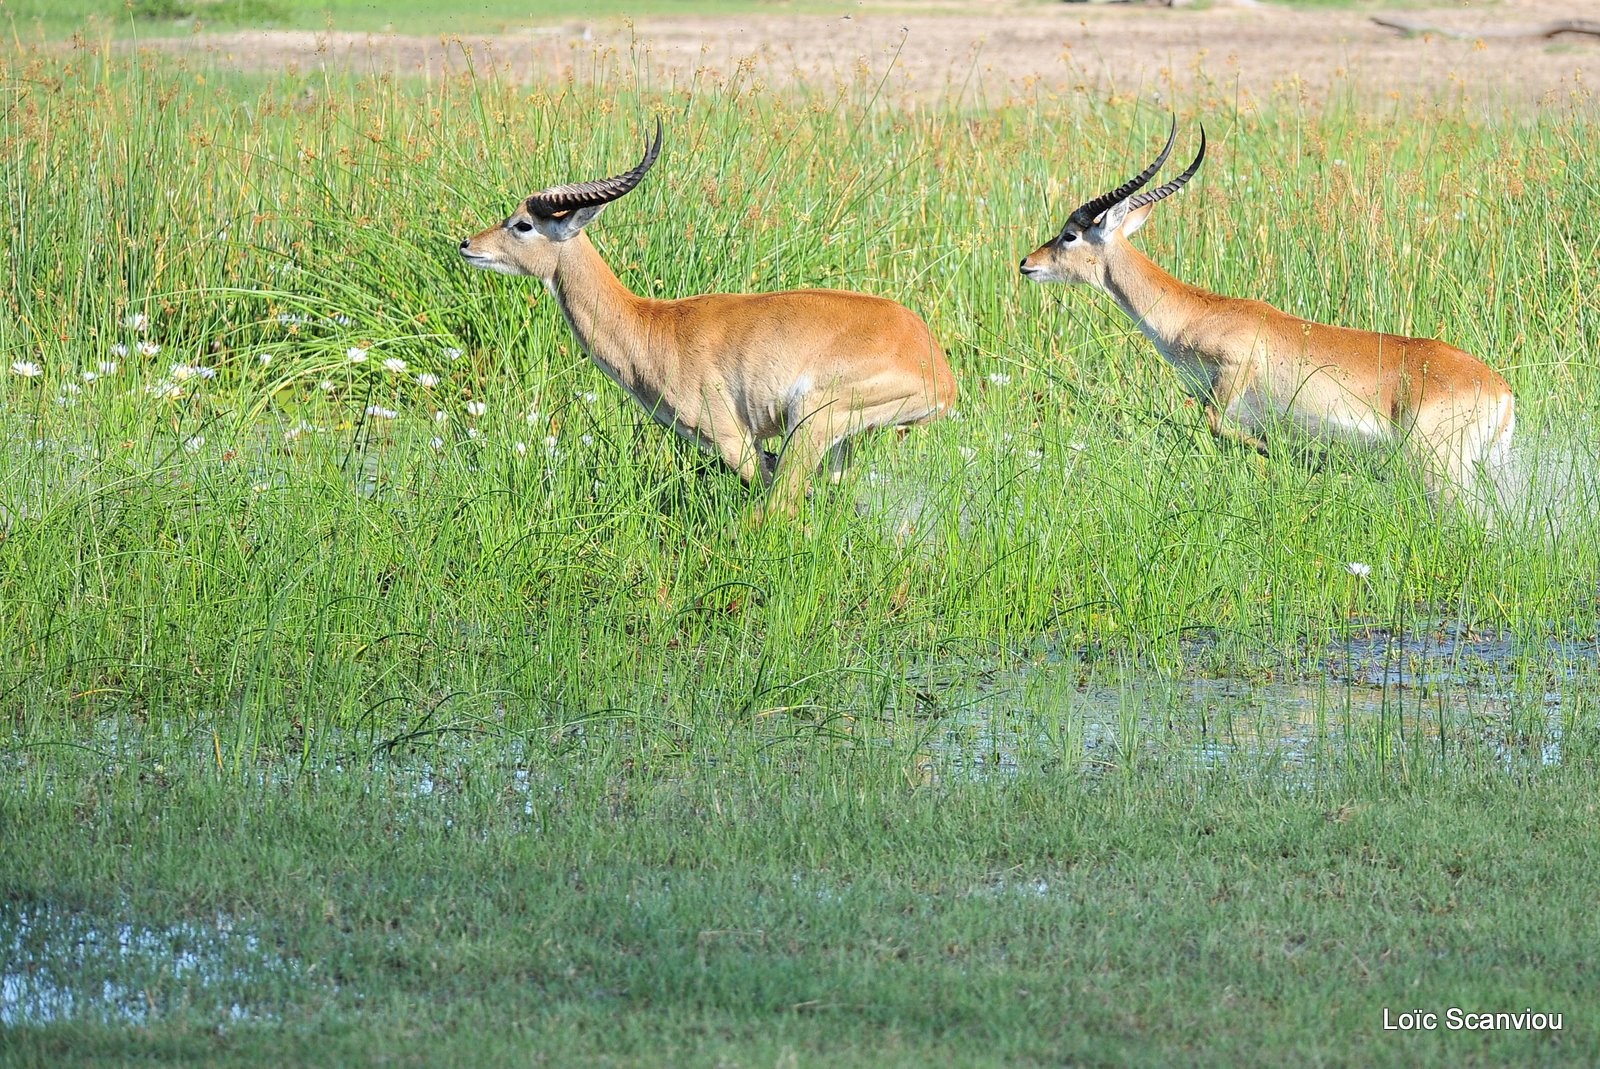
729, 371
1256, 368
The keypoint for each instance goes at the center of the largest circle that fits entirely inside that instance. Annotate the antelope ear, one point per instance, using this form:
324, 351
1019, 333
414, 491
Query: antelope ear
565, 226
1136, 218
1108, 223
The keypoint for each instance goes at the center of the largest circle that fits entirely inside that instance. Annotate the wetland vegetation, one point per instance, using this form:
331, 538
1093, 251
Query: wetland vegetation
381, 685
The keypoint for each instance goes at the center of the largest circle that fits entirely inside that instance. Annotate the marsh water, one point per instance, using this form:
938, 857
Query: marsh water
1439, 692
60, 965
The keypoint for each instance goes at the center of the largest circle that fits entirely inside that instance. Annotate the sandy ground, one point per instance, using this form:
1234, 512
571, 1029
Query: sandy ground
994, 49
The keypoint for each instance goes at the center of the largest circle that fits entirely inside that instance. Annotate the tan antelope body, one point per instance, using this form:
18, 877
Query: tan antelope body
729, 371
1258, 369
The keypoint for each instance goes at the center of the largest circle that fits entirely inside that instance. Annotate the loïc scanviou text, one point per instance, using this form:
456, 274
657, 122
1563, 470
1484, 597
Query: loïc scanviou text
1456, 1019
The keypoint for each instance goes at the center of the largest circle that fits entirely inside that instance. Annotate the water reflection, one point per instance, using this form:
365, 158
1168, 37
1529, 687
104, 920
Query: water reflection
1442, 692
60, 965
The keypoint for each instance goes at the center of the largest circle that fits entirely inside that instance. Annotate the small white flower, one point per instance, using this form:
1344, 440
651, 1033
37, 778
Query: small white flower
90, 376
263, 359
441, 416
550, 443
193, 445
1077, 447
138, 321
521, 448
119, 350
379, 412
296, 431
327, 386
342, 320
452, 353
356, 354
476, 408
967, 452
999, 378
148, 348
587, 439
260, 488
164, 388
427, 380
1359, 570
27, 369
71, 387
437, 443
108, 367
395, 365
590, 397
474, 433
533, 417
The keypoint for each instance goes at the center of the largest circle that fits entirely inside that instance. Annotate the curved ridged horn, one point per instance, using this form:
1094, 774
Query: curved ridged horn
1086, 214
574, 195
1150, 196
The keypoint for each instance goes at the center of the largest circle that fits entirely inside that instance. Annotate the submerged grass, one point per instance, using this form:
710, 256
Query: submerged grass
344, 605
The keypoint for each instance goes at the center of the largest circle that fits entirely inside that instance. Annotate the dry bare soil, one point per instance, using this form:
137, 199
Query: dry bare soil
991, 51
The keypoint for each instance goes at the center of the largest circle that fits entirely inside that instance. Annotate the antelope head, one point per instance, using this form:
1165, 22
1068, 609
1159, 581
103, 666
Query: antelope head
1096, 227
529, 241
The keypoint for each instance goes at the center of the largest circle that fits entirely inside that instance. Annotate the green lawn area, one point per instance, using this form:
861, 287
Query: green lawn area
820, 916
55, 18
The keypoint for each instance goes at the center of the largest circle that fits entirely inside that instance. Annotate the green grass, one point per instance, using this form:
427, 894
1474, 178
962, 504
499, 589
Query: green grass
270, 541
149, 18
31, 19
813, 910
711, 804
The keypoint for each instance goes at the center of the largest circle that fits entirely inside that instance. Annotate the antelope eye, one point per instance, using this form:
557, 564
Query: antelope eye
522, 226
1067, 236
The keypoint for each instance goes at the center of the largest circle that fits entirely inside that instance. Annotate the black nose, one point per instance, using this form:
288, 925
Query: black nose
1022, 265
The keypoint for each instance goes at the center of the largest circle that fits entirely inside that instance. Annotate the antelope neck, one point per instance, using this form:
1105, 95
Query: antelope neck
1158, 303
607, 317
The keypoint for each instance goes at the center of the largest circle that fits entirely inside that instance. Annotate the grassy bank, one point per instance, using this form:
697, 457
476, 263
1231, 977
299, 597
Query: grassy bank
34, 20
